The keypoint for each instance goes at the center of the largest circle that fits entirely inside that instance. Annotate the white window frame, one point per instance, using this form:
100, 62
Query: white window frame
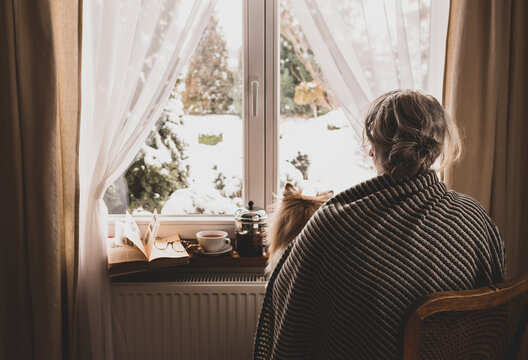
261, 140
261, 73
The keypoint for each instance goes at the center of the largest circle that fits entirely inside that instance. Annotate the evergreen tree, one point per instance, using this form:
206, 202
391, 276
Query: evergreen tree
298, 65
287, 92
292, 73
209, 82
160, 167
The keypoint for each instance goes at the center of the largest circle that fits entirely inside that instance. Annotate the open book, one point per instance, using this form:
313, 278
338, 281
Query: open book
128, 252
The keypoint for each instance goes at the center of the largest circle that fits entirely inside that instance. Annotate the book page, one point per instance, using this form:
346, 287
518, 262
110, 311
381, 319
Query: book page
120, 253
120, 249
132, 233
176, 250
151, 233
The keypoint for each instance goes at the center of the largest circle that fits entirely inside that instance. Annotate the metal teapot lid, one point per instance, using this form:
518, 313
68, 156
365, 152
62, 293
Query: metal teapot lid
250, 215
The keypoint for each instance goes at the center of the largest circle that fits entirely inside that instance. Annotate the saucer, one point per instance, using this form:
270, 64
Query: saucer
228, 248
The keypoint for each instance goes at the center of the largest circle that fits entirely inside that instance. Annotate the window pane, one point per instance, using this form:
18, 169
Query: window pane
318, 149
192, 161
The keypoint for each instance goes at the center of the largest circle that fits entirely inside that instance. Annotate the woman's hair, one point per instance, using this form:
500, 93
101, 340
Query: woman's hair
409, 131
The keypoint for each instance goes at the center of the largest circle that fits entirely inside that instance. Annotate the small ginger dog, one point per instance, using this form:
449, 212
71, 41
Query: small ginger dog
289, 219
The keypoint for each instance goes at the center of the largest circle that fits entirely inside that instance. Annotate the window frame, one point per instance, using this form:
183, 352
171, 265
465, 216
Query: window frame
260, 151
261, 138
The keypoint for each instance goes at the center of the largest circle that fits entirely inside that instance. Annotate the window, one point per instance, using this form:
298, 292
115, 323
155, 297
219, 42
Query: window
250, 111
192, 161
318, 149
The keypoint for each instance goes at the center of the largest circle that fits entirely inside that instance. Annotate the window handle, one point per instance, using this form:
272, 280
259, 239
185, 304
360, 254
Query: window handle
254, 100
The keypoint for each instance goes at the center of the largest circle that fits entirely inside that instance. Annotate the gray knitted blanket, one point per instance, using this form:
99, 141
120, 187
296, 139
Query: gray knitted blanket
343, 285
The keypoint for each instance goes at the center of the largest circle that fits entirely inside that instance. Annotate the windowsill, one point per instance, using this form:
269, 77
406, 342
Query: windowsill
187, 227
200, 264
201, 261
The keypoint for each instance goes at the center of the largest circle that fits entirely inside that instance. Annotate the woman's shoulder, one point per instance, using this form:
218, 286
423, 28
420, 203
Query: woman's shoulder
468, 208
464, 202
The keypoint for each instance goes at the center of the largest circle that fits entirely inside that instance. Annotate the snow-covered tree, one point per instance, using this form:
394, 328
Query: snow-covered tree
115, 197
288, 173
230, 186
160, 167
209, 82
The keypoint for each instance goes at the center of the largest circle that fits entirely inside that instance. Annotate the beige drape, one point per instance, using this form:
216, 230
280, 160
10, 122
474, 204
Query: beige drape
486, 91
39, 114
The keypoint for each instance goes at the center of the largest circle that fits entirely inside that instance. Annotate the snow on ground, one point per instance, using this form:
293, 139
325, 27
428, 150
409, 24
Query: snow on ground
206, 162
226, 155
337, 161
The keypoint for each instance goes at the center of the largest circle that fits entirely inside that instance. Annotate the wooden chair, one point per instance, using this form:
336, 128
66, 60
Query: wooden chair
486, 323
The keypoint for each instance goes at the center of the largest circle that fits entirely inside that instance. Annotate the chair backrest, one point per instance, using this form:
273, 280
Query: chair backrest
486, 323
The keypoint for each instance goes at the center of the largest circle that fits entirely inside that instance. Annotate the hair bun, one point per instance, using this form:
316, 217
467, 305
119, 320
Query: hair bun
426, 144
403, 127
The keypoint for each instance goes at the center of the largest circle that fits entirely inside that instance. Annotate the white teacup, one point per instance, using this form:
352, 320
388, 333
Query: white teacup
212, 240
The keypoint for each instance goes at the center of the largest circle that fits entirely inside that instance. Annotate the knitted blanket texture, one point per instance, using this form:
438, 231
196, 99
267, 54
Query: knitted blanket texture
341, 289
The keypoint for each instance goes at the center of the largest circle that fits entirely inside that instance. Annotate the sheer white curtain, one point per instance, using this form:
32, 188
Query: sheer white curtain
368, 47
133, 51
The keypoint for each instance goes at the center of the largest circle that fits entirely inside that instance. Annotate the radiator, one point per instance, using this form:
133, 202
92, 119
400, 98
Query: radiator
189, 316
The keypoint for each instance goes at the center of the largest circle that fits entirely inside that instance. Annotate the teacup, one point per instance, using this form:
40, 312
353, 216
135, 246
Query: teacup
212, 240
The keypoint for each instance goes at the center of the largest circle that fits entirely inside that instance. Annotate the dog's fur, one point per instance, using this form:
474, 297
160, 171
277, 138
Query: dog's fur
289, 219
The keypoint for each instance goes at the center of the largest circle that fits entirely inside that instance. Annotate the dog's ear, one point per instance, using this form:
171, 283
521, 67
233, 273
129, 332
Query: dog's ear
289, 189
328, 194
